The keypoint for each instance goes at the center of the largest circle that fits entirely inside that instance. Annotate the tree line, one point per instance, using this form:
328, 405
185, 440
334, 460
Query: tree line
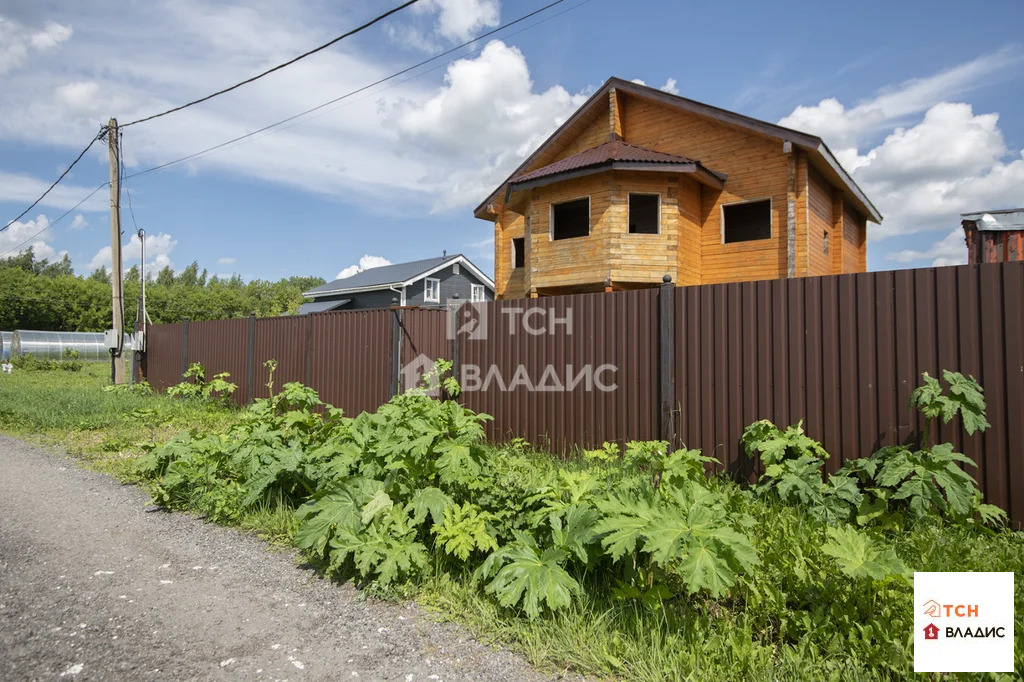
43, 295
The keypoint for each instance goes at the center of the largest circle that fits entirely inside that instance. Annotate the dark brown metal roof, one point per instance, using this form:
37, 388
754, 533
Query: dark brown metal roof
604, 154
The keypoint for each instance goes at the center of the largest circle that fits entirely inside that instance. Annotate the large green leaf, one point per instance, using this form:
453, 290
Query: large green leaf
859, 556
463, 530
536, 578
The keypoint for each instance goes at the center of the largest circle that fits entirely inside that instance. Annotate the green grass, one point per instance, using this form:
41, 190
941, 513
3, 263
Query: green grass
750, 636
107, 429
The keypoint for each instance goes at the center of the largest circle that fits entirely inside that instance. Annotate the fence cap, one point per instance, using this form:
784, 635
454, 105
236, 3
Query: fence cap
666, 279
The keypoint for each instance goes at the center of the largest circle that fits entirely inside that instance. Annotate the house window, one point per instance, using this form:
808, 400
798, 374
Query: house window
432, 290
570, 219
476, 293
747, 221
518, 252
455, 269
644, 213
825, 243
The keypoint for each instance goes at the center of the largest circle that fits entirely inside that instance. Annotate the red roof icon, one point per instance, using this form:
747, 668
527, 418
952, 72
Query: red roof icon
931, 631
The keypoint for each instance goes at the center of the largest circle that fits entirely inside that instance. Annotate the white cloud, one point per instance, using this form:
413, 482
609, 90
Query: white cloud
951, 250
52, 35
844, 128
78, 222
30, 235
455, 21
927, 169
158, 248
226, 261
365, 263
17, 41
459, 20
670, 86
488, 117
24, 189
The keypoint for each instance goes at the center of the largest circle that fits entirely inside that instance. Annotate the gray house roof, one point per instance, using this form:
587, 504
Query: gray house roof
394, 275
322, 306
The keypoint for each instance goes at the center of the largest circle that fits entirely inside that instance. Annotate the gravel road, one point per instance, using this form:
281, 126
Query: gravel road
93, 586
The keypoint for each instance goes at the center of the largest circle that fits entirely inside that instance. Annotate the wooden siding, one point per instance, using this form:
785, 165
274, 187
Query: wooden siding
690, 219
819, 221
581, 260
508, 281
690, 247
855, 241
756, 169
643, 258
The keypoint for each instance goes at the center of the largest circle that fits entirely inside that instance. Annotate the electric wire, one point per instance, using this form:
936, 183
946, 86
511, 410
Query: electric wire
278, 67
360, 89
276, 124
57, 181
54, 223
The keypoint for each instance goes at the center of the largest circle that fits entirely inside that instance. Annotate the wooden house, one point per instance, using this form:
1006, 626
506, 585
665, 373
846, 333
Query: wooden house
639, 183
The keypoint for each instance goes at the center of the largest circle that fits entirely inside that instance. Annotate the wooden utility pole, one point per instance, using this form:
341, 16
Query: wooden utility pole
116, 294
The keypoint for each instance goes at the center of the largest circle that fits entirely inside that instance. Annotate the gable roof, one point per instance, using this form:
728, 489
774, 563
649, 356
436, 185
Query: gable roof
827, 163
610, 155
397, 274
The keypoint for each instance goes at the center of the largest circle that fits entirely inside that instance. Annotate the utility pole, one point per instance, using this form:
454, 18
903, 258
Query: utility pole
116, 294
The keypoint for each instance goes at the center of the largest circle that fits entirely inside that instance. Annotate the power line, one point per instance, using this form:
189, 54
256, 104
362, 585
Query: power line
55, 182
62, 216
356, 91
278, 67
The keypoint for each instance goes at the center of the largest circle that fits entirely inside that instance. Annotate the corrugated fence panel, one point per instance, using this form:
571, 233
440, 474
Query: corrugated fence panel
424, 340
349, 358
162, 365
284, 339
843, 353
222, 346
566, 371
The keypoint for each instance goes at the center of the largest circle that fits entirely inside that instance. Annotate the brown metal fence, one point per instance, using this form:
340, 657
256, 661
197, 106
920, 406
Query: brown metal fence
843, 354
575, 340
694, 364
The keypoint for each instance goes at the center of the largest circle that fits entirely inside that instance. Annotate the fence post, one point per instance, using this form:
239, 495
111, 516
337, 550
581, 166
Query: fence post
667, 353
451, 328
250, 376
184, 348
396, 349
309, 348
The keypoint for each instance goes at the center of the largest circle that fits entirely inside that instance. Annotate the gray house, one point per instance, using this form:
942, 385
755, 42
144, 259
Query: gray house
428, 283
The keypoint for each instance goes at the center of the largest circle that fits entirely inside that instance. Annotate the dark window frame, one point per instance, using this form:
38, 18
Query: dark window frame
629, 212
518, 252
551, 218
771, 212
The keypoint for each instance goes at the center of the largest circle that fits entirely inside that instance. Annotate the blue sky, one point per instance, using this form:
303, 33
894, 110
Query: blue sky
921, 101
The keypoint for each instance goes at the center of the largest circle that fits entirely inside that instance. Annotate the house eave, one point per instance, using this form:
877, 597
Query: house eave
460, 259
807, 142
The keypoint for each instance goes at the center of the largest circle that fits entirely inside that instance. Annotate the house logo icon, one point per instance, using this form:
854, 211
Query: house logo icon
932, 608
412, 374
931, 631
468, 319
